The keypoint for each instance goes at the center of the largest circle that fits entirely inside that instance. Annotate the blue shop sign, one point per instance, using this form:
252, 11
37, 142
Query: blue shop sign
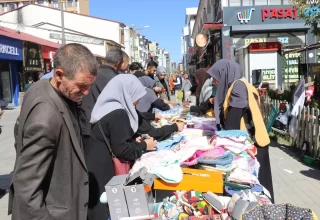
10, 49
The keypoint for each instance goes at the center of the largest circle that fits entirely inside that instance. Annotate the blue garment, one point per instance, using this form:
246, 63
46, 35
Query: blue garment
170, 143
232, 133
226, 159
48, 75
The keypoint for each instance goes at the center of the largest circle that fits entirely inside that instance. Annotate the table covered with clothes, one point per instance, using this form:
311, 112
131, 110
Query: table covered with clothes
205, 174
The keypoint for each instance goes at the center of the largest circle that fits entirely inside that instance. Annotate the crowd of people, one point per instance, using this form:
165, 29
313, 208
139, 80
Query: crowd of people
73, 124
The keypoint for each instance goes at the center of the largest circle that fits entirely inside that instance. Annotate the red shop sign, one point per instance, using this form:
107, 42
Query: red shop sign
264, 46
279, 13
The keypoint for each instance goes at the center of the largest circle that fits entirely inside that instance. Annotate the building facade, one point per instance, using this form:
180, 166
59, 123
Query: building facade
75, 6
256, 33
187, 41
98, 34
21, 56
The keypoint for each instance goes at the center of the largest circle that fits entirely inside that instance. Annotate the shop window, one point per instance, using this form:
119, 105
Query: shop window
5, 83
247, 2
1, 8
274, 2
235, 3
286, 2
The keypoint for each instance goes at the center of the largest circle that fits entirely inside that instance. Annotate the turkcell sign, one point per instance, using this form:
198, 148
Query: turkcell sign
10, 50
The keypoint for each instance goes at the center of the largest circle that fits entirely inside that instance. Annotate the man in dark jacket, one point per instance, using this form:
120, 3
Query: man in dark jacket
109, 69
50, 179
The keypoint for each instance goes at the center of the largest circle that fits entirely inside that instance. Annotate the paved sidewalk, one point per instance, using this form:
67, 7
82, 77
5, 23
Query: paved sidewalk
293, 182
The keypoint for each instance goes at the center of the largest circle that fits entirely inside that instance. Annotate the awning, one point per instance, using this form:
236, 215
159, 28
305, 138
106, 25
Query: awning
48, 52
26, 37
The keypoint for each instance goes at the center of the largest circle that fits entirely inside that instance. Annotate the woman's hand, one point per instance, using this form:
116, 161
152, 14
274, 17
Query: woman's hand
139, 139
211, 100
186, 104
180, 126
151, 144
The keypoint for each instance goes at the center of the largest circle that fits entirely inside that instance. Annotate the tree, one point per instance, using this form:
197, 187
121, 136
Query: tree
310, 12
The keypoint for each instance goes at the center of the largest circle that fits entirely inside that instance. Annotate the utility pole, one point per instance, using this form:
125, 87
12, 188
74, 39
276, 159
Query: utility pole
63, 37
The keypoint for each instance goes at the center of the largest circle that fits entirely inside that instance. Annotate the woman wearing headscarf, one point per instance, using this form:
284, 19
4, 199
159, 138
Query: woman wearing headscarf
236, 106
114, 115
201, 76
150, 100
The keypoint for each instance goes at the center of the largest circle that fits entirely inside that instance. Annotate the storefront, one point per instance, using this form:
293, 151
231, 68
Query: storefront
48, 54
11, 57
244, 26
33, 64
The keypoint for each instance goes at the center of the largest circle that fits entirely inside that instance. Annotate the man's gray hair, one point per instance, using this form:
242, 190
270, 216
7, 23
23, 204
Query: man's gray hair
74, 57
114, 56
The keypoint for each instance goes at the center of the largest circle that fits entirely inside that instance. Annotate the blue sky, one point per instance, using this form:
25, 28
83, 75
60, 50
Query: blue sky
166, 19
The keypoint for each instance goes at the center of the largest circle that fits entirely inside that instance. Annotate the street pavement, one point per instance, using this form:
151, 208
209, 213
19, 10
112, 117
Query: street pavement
293, 182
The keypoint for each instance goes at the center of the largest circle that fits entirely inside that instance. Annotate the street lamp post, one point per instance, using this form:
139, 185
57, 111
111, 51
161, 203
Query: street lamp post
63, 37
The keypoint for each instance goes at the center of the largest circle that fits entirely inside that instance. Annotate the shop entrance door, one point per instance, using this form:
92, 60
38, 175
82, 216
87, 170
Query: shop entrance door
5, 84
266, 63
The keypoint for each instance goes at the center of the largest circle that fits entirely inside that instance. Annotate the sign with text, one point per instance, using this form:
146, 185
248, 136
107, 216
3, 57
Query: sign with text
201, 40
32, 57
270, 14
10, 49
75, 38
280, 13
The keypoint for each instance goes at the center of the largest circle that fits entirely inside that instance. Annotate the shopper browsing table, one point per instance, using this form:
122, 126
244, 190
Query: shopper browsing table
236, 106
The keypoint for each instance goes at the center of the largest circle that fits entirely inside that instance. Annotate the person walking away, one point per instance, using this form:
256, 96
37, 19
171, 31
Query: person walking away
201, 76
109, 69
237, 106
29, 84
50, 179
151, 69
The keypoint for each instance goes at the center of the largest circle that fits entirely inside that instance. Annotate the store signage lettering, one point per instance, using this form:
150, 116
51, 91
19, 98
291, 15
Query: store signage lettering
280, 13
5, 49
227, 49
284, 40
87, 40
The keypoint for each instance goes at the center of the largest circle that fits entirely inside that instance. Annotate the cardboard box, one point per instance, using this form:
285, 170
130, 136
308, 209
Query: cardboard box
116, 197
139, 202
194, 179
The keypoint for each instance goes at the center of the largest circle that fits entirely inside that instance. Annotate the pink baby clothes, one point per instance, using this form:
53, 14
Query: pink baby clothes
194, 159
235, 144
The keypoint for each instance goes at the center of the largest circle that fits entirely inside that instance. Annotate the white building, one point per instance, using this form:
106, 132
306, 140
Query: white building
188, 42
95, 33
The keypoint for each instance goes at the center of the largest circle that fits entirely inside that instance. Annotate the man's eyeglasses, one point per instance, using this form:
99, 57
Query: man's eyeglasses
163, 74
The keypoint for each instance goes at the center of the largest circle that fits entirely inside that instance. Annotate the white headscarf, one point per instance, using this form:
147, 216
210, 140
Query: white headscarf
120, 93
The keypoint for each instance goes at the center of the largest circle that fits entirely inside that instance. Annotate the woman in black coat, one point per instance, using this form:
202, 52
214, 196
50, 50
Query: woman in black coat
115, 116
